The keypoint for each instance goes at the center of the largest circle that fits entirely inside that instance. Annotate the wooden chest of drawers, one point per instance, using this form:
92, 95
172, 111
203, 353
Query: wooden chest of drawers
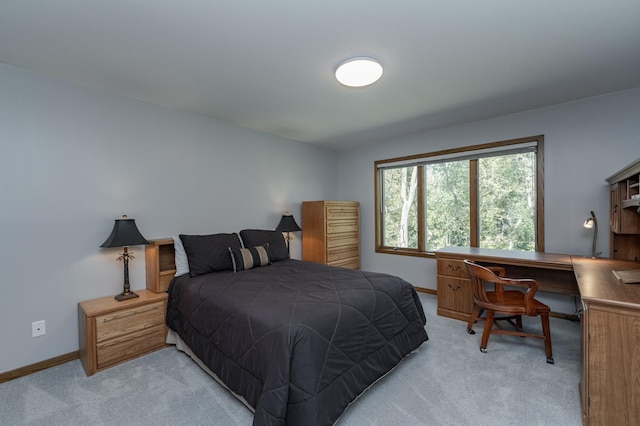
113, 332
331, 232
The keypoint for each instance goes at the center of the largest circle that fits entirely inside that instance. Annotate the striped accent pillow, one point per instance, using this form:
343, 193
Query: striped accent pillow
248, 258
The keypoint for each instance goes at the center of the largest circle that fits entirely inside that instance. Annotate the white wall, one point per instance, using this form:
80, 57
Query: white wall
73, 159
585, 142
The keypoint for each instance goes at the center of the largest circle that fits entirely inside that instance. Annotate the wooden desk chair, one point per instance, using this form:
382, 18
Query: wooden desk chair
512, 303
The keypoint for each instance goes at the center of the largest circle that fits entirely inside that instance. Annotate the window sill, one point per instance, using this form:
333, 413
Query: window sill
405, 252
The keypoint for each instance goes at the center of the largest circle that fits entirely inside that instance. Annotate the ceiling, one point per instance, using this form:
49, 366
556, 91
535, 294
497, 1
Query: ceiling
269, 66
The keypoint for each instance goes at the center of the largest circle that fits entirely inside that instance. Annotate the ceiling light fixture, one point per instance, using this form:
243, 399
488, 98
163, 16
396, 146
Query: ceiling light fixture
359, 72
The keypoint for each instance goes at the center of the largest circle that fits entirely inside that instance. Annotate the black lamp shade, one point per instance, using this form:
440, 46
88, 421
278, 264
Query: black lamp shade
124, 233
287, 224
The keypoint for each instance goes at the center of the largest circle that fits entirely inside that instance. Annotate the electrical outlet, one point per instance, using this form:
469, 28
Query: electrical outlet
38, 329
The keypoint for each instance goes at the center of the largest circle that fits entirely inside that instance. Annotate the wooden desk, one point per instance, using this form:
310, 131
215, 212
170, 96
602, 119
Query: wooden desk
610, 376
553, 272
610, 382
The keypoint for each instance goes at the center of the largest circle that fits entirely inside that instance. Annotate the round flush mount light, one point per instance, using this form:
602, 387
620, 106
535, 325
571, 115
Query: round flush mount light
359, 72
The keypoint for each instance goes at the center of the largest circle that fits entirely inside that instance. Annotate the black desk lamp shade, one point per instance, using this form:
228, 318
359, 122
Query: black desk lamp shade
125, 233
287, 224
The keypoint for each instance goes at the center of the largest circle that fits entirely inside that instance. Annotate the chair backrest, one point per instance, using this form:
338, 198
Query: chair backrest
480, 276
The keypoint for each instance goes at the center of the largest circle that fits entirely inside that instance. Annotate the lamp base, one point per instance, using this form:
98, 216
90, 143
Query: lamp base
126, 296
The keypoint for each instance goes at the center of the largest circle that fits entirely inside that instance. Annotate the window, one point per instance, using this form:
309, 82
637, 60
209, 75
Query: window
488, 195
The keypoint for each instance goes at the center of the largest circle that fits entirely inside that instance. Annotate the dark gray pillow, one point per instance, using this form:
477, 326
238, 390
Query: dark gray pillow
209, 253
275, 239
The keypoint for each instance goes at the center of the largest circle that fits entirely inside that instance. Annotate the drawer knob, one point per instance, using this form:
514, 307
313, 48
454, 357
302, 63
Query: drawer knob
458, 287
453, 267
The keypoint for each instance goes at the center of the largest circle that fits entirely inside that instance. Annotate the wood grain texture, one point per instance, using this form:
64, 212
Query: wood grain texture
160, 264
624, 219
553, 272
331, 233
38, 366
113, 332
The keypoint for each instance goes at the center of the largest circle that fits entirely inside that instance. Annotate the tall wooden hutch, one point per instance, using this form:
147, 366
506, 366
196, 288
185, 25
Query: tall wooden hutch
624, 217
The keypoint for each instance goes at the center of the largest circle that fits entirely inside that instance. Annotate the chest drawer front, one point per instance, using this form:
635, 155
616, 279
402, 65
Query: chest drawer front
342, 239
340, 226
342, 253
130, 346
352, 263
452, 268
129, 320
341, 212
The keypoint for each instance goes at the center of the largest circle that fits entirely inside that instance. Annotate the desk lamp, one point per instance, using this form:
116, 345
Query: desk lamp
124, 234
592, 222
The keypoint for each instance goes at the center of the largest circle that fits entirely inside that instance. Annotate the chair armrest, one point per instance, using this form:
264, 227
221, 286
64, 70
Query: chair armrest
531, 287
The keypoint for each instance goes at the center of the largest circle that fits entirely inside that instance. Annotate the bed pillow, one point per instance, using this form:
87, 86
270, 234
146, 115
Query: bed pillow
209, 253
181, 260
249, 258
275, 239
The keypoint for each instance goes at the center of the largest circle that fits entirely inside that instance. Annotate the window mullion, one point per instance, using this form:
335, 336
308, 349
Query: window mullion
473, 201
421, 211
540, 195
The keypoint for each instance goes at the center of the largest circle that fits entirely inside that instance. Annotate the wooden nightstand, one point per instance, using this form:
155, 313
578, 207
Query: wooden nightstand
113, 332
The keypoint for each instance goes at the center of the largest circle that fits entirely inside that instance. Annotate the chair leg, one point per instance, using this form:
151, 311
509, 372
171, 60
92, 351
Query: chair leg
473, 319
488, 325
519, 322
546, 330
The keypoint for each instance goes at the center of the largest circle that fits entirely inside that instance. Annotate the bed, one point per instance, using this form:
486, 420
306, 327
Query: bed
296, 341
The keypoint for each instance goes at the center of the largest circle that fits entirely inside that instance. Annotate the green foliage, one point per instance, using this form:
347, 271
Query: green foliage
447, 205
506, 211
507, 202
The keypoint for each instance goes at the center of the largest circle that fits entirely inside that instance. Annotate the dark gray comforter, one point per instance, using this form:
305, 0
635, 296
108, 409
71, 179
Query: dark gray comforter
298, 340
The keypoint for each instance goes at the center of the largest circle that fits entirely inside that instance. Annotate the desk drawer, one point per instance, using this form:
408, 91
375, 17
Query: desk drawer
129, 320
454, 294
452, 268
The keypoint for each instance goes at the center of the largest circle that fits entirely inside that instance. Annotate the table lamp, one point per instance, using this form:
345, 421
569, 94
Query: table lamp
124, 234
287, 224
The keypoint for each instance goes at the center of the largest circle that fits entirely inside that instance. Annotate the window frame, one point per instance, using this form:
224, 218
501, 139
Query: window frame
457, 153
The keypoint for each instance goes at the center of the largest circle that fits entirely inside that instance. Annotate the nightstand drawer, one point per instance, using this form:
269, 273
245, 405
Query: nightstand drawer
129, 346
129, 320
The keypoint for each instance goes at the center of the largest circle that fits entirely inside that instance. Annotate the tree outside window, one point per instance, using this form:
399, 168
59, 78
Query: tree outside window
481, 196
447, 205
400, 207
